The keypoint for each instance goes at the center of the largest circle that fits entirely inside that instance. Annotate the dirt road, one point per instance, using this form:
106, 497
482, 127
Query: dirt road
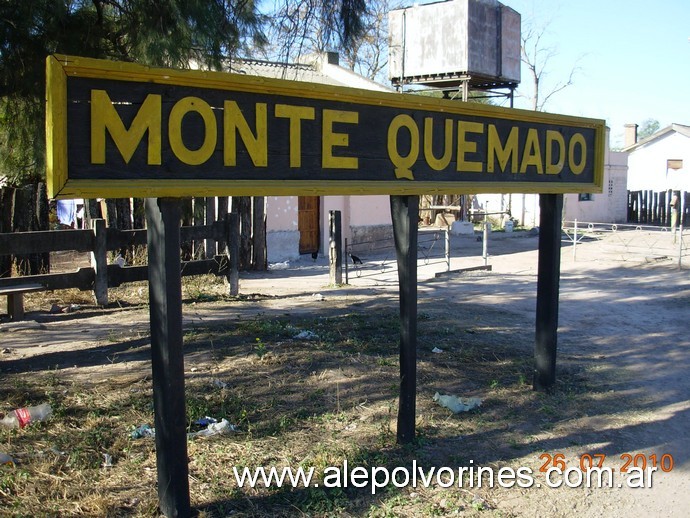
623, 330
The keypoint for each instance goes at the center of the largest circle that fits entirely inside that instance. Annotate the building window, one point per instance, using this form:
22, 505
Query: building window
674, 164
584, 196
610, 186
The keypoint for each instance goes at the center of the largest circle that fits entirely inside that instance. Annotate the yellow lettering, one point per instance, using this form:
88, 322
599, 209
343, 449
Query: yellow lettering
296, 114
403, 163
104, 116
502, 153
233, 123
438, 164
465, 146
554, 137
577, 139
532, 152
331, 139
179, 148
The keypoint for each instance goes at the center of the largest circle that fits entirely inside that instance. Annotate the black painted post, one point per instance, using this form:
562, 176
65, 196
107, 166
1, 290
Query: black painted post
210, 218
345, 263
233, 252
222, 216
405, 213
548, 279
99, 262
335, 248
259, 252
163, 217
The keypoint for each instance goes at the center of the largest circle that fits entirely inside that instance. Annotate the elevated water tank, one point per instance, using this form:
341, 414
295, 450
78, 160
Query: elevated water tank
445, 43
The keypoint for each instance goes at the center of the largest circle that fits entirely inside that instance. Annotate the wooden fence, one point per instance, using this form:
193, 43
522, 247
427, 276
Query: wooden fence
27, 209
653, 208
101, 276
22, 210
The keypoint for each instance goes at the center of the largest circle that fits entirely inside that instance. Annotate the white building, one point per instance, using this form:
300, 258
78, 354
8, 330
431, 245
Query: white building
658, 167
660, 162
609, 206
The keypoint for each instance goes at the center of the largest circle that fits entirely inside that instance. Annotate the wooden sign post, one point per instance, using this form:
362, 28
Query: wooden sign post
548, 279
405, 215
163, 217
122, 130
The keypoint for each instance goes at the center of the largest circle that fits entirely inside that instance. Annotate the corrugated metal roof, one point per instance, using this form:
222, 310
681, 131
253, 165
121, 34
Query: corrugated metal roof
277, 70
315, 69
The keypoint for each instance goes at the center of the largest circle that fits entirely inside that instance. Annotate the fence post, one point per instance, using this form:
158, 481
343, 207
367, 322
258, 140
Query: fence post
447, 236
210, 218
242, 205
6, 207
259, 252
347, 269
232, 251
199, 212
222, 216
485, 241
335, 248
575, 241
99, 262
42, 218
680, 231
15, 306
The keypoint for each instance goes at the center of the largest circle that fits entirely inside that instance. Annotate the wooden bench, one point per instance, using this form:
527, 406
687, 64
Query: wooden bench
15, 297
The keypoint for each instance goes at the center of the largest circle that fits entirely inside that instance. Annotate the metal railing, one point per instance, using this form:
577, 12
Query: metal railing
372, 257
629, 241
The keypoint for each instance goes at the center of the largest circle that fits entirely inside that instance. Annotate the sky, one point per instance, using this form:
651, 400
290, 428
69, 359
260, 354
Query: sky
632, 56
632, 59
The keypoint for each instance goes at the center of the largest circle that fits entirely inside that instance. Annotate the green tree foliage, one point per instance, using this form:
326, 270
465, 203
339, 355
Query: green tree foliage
299, 27
368, 54
647, 128
174, 33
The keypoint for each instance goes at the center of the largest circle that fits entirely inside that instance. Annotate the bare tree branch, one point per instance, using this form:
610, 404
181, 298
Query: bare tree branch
537, 57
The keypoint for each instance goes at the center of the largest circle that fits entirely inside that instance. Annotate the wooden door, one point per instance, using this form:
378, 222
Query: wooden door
308, 224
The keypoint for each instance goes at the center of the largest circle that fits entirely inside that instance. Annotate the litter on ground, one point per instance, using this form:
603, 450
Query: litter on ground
456, 404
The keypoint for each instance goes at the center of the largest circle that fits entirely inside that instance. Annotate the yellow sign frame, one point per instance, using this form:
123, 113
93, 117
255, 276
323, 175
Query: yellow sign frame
62, 69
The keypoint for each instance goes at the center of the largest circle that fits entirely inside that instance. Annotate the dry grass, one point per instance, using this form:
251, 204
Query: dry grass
295, 403
200, 288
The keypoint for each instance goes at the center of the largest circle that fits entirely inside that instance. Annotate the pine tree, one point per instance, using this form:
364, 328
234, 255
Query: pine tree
172, 33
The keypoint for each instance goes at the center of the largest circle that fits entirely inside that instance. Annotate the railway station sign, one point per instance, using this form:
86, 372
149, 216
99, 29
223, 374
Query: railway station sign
119, 130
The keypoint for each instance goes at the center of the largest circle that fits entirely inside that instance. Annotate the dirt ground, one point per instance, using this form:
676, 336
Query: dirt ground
622, 391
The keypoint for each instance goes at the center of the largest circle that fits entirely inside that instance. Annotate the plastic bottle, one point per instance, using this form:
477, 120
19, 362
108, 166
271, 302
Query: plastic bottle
20, 417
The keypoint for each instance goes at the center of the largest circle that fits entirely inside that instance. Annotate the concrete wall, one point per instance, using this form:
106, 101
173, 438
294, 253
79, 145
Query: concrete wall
371, 238
282, 246
610, 206
362, 217
282, 234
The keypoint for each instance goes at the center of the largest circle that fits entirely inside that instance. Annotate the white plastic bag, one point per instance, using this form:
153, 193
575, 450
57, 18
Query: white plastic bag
456, 404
